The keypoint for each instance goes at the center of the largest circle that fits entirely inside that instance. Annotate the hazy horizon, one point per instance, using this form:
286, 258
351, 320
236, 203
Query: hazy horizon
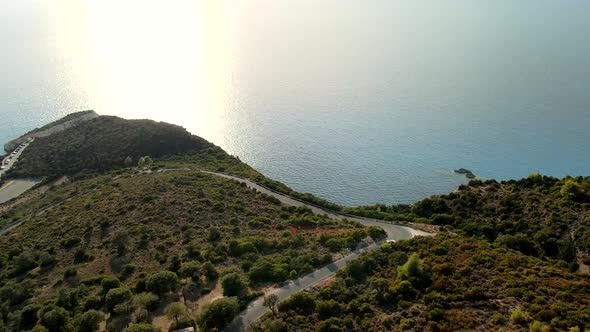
353, 101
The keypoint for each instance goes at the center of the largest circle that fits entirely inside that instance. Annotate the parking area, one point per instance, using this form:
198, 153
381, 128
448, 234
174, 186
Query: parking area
12, 158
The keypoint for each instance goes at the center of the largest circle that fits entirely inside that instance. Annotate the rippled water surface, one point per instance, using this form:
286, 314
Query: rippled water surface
355, 101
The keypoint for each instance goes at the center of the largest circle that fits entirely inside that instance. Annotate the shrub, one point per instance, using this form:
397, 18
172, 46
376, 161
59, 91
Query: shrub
518, 317
117, 296
277, 325
183, 324
302, 303
331, 325
329, 308
537, 326
147, 301
25, 261
377, 233
29, 316
413, 271
261, 271
210, 271
82, 256
232, 284
54, 318
140, 328
71, 271
214, 234
69, 242
88, 321
175, 310
190, 270
107, 283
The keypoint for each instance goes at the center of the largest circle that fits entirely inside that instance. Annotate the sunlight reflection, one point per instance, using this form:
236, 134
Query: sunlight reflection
158, 60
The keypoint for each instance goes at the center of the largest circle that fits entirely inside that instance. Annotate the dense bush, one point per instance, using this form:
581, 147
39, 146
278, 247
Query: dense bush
103, 144
446, 283
162, 282
218, 313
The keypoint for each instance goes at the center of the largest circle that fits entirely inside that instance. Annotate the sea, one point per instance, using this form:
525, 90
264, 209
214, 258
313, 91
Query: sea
358, 102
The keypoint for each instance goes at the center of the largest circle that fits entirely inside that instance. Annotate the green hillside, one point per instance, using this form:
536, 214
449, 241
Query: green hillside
124, 231
540, 216
103, 144
447, 283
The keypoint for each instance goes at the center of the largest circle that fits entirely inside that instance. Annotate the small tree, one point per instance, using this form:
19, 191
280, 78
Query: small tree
147, 301
217, 314
518, 317
117, 296
120, 240
54, 318
214, 234
190, 270
108, 283
25, 261
377, 233
141, 162
162, 282
232, 284
128, 162
175, 310
277, 325
140, 328
29, 316
147, 161
271, 302
413, 271
210, 271
88, 321
301, 303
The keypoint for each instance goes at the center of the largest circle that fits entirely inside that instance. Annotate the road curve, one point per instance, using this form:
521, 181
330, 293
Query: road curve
256, 309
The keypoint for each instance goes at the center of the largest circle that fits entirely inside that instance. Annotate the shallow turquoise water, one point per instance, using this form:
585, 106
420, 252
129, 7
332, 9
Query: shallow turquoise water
355, 101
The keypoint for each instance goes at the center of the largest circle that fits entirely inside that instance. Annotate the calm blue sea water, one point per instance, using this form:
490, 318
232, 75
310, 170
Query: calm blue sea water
355, 101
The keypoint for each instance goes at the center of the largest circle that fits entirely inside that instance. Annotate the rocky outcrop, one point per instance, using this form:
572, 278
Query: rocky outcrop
85, 116
468, 173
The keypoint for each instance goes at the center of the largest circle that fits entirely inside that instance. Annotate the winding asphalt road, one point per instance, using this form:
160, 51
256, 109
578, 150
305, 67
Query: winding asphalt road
257, 309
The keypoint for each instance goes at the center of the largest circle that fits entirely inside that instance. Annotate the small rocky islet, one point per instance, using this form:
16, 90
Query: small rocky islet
468, 174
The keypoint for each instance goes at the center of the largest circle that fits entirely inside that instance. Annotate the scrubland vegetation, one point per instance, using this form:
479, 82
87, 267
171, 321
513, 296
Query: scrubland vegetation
103, 144
136, 244
138, 248
446, 283
539, 216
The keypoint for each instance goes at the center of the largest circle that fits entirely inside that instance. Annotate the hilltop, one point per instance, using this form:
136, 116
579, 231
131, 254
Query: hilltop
68, 121
103, 144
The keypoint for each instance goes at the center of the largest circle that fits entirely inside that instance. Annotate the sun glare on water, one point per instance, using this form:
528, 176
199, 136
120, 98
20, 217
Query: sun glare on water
149, 59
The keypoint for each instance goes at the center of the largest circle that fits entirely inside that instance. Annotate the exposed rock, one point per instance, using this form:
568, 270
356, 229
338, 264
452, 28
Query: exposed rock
468, 173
